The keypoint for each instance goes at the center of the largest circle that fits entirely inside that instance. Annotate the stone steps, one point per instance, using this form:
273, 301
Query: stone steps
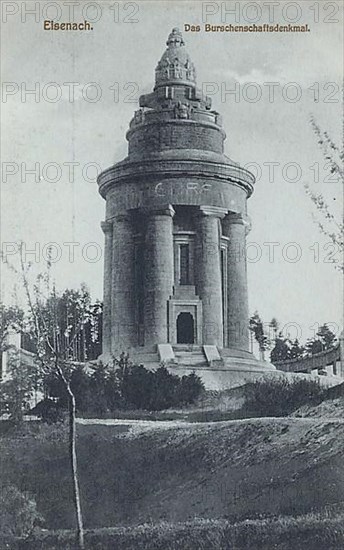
195, 357
190, 348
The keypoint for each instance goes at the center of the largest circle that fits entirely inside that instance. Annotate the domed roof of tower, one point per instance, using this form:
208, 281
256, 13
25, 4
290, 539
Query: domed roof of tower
175, 64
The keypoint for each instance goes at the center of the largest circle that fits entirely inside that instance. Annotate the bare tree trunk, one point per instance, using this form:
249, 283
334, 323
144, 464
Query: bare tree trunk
72, 455
44, 344
75, 476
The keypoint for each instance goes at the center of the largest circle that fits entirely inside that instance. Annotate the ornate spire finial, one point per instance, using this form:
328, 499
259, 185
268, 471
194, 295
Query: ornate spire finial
175, 65
175, 38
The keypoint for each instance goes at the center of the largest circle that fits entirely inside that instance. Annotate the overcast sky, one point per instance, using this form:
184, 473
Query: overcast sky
268, 130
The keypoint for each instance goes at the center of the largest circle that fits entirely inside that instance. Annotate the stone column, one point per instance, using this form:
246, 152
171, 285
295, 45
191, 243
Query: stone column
123, 326
208, 275
107, 290
159, 277
236, 227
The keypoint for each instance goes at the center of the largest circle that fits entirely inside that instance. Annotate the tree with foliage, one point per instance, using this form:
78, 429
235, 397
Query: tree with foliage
297, 351
324, 339
87, 343
93, 331
286, 349
54, 338
73, 312
314, 346
326, 336
256, 326
325, 219
274, 326
281, 349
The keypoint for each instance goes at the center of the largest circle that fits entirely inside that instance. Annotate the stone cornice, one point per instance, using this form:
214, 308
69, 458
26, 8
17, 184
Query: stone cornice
106, 226
215, 211
167, 210
170, 168
240, 219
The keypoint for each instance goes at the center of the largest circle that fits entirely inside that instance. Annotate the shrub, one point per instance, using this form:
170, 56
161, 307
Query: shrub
165, 390
280, 397
191, 387
158, 390
121, 386
18, 513
334, 392
49, 410
137, 386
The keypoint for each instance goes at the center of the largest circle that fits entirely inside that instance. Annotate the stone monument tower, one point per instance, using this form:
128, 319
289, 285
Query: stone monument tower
175, 282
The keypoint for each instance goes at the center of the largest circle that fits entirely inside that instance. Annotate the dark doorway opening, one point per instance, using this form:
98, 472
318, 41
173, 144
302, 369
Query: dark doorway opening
185, 329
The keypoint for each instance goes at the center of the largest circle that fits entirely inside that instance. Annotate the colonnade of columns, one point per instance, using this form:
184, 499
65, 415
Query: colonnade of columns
119, 318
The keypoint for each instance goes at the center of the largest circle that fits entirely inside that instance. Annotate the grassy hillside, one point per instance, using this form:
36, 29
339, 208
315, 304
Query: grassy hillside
332, 408
138, 472
310, 531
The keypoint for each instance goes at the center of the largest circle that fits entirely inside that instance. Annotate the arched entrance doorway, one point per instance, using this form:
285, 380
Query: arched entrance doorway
185, 328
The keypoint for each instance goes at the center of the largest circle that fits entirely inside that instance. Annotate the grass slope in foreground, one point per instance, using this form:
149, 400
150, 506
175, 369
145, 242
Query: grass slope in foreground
142, 472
